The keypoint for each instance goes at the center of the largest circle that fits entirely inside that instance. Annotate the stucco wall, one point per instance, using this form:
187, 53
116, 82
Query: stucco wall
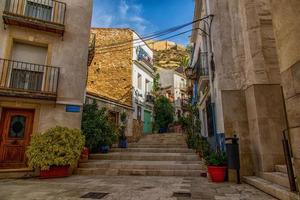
69, 53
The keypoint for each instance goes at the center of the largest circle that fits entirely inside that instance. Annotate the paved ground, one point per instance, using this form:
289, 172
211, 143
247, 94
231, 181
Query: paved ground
125, 188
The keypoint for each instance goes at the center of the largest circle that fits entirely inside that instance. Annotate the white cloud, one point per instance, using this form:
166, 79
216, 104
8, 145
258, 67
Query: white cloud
124, 14
123, 8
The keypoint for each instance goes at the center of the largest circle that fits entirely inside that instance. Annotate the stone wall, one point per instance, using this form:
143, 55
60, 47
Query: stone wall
110, 74
248, 76
286, 15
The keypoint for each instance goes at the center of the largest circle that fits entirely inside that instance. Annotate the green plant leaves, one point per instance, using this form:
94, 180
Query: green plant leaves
57, 146
97, 128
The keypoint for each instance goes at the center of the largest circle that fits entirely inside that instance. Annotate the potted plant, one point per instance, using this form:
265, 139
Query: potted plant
216, 163
99, 132
84, 155
122, 138
55, 151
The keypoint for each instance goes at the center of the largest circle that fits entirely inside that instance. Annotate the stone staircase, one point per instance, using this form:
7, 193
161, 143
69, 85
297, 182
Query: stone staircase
153, 155
274, 183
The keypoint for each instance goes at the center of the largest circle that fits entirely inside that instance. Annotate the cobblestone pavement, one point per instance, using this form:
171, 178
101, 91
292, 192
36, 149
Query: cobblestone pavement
125, 188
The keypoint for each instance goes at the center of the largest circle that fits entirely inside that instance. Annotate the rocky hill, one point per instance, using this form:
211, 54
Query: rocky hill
168, 55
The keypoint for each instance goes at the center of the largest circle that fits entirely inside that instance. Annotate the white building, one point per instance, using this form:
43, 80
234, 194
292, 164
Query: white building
142, 82
173, 86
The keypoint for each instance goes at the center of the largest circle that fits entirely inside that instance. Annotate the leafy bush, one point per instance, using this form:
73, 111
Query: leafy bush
164, 112
122, 128
199, 143
57, 146
216, 158
97, 128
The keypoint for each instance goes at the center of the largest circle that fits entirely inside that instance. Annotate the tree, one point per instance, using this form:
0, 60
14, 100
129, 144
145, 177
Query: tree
97, 128
164, 113
156, 84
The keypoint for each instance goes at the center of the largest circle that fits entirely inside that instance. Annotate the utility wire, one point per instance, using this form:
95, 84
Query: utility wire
123, 49
153, 35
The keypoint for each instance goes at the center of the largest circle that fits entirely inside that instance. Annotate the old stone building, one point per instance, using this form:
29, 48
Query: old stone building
120, 78
241, 63
43, 56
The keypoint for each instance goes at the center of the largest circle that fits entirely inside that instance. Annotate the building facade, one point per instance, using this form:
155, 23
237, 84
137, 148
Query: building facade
243, 56
121, 77
173, 85
43, 58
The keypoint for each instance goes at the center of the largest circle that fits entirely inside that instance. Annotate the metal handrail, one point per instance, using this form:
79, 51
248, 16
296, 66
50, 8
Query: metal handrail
28, 77
46, 11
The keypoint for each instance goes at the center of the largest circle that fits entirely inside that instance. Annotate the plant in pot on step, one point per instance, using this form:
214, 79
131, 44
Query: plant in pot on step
122, 137
217, 166
55, 151
99, 131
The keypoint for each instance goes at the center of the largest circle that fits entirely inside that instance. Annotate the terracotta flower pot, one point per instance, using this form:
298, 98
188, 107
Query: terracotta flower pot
217, 173
55, 172
84, 155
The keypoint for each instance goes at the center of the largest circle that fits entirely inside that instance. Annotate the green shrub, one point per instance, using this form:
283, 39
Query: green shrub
164, 112
216, 158
97, 128
57, 146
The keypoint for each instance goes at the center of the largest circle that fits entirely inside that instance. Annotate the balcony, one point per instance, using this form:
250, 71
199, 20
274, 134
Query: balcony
45, 15
20, 79
144, 58
92, 46
185, 102
149, 98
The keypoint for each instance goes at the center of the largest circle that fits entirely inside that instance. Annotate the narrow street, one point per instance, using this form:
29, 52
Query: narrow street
151, 174
127, 188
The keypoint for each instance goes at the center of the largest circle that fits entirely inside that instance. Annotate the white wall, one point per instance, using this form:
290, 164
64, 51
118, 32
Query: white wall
146, 73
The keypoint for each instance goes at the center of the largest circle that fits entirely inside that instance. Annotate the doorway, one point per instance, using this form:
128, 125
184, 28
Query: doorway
16, 126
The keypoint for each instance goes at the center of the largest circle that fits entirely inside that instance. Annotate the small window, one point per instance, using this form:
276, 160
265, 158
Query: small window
17, 127
147, 86
113, 117
139, 81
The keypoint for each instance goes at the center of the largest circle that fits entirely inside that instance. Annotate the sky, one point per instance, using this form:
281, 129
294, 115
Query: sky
145, 16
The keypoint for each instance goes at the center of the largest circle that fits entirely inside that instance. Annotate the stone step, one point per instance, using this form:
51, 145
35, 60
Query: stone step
277, 177
16, 173
146, 156
270, 188
281, 168
154, 150
135, 172
144, 165
137, 145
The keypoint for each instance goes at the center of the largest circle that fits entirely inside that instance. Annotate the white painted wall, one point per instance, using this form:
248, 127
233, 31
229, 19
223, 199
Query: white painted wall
147, 73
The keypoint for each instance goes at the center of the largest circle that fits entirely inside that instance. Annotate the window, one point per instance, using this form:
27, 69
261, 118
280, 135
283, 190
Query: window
147, 86
17, 127
113, 117
27, 76
139, 113
139, 81
38, 10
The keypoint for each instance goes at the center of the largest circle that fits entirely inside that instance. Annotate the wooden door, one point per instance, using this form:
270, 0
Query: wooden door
15, 130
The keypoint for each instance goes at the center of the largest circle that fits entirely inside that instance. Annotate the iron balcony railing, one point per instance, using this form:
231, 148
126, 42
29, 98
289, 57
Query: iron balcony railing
92, 46
22, 77
48, 15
